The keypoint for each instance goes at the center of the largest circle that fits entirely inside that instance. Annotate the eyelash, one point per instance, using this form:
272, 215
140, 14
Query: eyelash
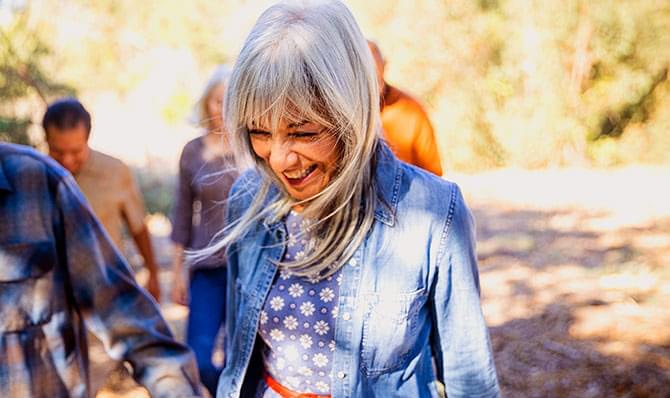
310, 135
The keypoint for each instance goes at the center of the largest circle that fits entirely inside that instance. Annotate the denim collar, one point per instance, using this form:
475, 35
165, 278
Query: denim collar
388, 174
4, 182
387, 178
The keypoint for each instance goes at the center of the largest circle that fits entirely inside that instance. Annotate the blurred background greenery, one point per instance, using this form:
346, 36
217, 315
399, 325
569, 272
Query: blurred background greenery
535, 92
518, 83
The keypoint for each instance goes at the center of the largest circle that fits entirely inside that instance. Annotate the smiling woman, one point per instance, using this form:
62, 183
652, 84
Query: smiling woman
303, 156
350, 273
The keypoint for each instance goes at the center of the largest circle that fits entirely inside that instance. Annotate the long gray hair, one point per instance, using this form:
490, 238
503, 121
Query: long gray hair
308, 60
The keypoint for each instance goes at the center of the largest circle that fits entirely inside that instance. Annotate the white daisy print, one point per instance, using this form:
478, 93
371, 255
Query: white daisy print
327, 295
321, 328
305, 371
293, 381
339, 280
320, 360
306, 341
295, 290
307, 308
300, 255
276, 335
264, 317
290, 322
292, 354
284, 275
277, 303
335, 311
292, 240
321, 386
331, 345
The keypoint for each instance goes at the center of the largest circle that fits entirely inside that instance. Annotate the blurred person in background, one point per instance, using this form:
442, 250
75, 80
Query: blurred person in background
206, 173
60, 273
107, 183
407, 128
350, 273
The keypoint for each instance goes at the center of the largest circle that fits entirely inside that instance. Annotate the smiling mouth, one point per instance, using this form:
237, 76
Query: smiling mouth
296, 178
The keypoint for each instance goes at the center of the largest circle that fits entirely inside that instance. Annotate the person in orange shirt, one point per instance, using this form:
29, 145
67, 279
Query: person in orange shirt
407, 128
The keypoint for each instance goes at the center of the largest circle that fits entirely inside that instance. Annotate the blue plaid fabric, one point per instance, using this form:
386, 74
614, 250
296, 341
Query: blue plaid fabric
58, 269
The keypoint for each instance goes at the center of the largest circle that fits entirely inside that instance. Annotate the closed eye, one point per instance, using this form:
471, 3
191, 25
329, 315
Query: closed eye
308, 135
259, 134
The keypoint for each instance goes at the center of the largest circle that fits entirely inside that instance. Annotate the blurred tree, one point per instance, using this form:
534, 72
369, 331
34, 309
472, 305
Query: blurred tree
507, 82
24, 84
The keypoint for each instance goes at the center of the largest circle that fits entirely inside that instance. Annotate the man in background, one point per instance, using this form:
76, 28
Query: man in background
58, 268
407, 128
107, 182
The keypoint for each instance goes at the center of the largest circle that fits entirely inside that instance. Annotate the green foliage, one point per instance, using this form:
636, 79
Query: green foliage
14, 130
157, 188
507, 82
23, 78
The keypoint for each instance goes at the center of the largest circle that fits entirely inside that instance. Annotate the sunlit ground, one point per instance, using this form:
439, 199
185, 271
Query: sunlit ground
575, 273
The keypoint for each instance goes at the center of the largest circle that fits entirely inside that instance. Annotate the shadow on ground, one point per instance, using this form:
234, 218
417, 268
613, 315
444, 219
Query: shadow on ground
576, 302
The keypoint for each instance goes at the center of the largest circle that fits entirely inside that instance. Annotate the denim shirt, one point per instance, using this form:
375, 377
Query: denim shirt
410, 297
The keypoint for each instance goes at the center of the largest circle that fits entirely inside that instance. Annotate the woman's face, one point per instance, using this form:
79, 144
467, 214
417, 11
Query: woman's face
303, 156
214, 107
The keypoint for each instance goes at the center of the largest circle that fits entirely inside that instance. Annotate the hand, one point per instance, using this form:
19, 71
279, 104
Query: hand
153, 286
180, 287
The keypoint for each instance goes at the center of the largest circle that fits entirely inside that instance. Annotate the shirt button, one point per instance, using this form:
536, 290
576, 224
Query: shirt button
353, 262
341, 375
346, 316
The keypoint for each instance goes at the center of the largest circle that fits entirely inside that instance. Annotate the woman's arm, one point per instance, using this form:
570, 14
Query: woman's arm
181, 230
460, 338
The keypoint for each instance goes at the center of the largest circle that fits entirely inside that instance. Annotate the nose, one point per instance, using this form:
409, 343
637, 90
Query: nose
282, 156
68, 162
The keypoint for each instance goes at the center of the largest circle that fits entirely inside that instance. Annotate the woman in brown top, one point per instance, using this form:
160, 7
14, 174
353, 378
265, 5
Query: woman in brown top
206, 173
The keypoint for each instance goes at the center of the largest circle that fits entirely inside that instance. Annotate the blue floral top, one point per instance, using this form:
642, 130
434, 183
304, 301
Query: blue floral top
297, 322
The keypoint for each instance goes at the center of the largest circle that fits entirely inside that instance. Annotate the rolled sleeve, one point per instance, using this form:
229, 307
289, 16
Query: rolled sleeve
460, 337
115, 308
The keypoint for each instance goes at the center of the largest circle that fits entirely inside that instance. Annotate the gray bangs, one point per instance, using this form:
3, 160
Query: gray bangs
279, 88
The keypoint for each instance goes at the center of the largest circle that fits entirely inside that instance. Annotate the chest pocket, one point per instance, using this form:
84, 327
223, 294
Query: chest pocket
390, 329
26, 285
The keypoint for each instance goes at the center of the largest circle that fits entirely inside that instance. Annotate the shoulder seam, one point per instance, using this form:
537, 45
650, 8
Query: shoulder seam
447, 224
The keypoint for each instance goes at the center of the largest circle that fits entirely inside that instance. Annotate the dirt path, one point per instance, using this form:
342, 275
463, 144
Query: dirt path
575, 272
575, 275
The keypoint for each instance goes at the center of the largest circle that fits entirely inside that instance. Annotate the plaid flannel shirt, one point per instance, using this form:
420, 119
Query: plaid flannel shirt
58, 268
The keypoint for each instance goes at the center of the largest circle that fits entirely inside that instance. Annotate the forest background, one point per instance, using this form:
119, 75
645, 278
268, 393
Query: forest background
552, 115
520, 83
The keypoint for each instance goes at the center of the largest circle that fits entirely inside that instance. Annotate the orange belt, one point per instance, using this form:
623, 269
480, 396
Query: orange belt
285, 392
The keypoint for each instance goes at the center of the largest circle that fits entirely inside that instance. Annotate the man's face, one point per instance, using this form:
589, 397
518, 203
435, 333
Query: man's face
69, 147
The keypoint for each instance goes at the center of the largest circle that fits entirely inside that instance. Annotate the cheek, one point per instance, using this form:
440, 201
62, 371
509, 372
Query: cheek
260, 148
329, 154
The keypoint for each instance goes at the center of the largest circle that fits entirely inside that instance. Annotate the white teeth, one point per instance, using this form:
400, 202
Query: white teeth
294, 175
